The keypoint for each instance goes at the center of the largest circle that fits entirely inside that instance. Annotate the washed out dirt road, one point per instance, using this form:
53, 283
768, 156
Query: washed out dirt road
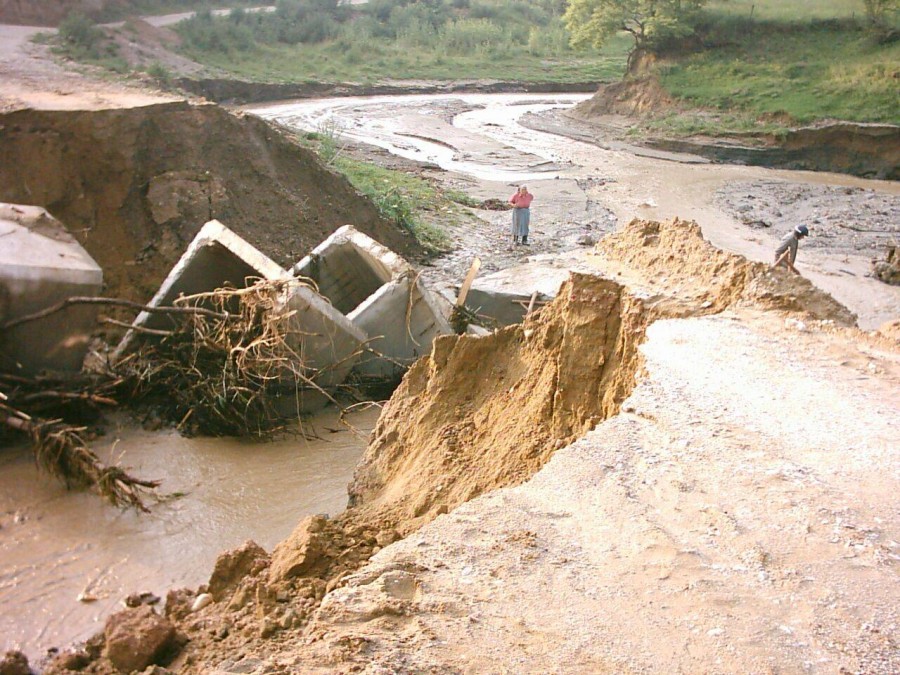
711, 523
480, 144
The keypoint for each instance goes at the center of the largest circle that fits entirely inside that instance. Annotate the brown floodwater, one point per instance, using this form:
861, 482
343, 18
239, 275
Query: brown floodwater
57, 545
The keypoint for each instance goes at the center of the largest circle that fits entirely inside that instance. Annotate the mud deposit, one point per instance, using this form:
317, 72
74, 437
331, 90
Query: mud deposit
135, 185
57, 546
843, 219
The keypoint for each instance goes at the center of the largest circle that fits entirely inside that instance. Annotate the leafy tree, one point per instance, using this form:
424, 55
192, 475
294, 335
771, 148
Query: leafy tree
882, 17
650, 22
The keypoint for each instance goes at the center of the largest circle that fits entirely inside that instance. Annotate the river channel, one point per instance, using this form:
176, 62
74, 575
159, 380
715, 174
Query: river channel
67, 559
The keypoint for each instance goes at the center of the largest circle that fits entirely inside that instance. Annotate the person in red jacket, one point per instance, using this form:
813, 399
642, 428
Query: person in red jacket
521, 216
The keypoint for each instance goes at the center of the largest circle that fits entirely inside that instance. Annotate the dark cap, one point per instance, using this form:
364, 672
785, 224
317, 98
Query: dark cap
802, 230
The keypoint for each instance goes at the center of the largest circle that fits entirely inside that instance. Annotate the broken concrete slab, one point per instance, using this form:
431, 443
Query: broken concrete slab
381, 294
217, 257
504, 296
42, 264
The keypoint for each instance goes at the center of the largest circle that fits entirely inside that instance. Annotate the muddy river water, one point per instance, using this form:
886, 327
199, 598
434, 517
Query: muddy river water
67, 559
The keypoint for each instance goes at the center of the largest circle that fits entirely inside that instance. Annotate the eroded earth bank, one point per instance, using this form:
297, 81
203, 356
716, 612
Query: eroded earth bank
686, 462
648, 471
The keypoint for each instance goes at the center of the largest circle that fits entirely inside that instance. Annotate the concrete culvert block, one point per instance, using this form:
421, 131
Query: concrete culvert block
326, 340
380, 293
41, 264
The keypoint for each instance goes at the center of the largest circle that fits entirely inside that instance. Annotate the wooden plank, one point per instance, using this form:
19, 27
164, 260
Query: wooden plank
531, 304
467, 283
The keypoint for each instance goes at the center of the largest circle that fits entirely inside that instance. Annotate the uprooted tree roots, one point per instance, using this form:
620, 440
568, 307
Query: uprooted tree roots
231, 371
60, 448
230, 364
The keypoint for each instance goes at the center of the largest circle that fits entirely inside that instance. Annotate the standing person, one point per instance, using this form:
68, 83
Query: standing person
786, 253
521, 215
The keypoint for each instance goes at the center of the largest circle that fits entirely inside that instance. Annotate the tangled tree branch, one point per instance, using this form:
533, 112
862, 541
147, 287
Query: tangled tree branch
60, 450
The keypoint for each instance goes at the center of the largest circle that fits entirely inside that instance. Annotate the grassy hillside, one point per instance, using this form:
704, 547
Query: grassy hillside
789, 62
320, 40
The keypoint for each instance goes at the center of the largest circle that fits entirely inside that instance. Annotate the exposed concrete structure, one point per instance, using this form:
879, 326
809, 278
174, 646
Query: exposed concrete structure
504, 296
217, 257
41, 264
381, 294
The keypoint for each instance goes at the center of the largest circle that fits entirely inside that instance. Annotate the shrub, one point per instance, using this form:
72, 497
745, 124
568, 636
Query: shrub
160, 73
79, 34
471, 35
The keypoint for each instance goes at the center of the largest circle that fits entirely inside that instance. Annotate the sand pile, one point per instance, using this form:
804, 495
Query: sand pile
481, 413
674, 260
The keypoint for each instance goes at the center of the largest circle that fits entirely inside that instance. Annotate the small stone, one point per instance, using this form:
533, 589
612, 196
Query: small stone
201, 601
137, 638
232, 566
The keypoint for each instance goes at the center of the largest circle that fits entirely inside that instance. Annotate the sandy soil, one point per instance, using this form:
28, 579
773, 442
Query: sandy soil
31, 78
719, 525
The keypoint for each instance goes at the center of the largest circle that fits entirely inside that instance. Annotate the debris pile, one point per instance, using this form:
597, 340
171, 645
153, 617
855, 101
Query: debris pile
232, 344
888, 270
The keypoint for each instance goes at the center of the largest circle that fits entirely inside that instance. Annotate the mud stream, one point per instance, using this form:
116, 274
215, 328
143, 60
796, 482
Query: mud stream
488, 143
57, 546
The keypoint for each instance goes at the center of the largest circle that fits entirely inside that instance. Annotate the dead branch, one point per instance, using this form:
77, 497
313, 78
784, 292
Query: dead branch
116, 302
60, 450
227, 377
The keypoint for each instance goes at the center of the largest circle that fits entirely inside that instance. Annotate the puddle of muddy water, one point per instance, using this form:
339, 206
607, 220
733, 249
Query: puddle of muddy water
55, 545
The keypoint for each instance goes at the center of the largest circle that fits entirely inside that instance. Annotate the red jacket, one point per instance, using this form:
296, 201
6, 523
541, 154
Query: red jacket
521, 201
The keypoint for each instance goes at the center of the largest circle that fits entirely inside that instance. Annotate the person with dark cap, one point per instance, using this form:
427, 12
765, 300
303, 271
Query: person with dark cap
786, 253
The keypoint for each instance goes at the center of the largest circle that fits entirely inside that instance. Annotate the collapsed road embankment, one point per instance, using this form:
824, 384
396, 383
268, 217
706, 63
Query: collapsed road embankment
649, 526
135, 185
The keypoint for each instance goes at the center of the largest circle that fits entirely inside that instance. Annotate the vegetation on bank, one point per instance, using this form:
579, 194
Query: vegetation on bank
419, 206
766, 63
738, 65
322, 40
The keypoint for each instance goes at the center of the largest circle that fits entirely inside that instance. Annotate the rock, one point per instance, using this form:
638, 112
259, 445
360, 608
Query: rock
179, 603
302, 553
586, 240
386, 538
248, 664
76, 660
14, 663
232, 566
138, 599
201, 601
137, 638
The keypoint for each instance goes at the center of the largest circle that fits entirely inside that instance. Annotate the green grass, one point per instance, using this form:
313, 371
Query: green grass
335, 62
819, 71
788, 10
413, 203
401, 198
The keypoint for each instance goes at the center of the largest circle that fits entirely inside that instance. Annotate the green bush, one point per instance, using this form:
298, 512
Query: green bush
160, 73
466, 36
79, 35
